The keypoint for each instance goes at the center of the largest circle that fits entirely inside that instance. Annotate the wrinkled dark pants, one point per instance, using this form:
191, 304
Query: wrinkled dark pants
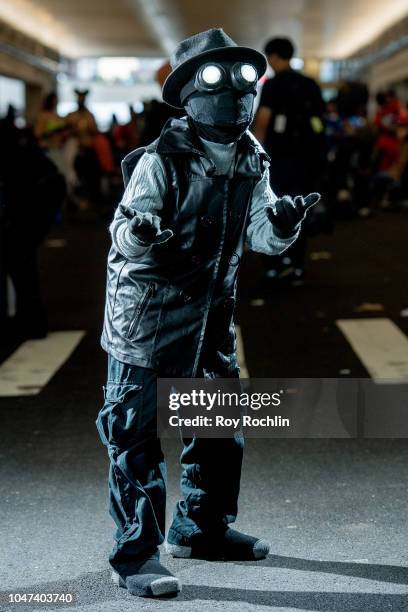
211, 471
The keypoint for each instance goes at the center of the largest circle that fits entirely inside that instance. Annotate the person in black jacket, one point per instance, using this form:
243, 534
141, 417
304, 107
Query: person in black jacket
289, 124
193, 198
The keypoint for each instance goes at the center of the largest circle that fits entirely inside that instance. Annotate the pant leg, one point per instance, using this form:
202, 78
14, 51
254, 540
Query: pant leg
210, 481
137, 492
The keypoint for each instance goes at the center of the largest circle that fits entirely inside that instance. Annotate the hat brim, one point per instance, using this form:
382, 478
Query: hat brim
179, 77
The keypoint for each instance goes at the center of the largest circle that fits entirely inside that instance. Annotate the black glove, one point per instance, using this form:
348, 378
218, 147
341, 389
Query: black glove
287, 214
145, 227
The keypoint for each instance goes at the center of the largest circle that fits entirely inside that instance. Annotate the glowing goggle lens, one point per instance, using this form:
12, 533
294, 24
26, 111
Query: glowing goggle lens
211, 75
215, 76
248, 73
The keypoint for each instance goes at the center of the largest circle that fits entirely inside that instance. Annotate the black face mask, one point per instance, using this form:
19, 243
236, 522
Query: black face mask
222, 116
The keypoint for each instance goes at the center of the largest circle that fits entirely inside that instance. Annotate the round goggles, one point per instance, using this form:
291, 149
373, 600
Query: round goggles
211, 77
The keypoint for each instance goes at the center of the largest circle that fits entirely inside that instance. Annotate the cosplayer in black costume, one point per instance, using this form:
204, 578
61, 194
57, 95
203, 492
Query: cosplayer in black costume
177, 240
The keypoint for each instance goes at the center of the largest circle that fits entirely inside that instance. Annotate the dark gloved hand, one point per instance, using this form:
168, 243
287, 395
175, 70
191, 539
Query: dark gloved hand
287, 213
145, 227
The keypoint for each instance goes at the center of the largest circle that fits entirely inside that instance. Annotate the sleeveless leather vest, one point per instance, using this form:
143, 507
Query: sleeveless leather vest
172, 308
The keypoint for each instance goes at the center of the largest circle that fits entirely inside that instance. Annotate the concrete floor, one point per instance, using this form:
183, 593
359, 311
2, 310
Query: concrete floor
334, 510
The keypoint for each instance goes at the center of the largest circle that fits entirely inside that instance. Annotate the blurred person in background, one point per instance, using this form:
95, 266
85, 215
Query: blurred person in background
131, 131
350, 162
389, 106
82, 157
390, 161
82, 121
32, 192
51, 130
333, 128
8, 133
157, 113
289, 124
124, 137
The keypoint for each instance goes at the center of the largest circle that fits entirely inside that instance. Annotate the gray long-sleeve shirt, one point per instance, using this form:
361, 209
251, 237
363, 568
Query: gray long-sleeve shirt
147, 187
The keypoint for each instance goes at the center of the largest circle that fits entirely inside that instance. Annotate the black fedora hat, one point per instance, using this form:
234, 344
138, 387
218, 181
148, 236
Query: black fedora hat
212, 45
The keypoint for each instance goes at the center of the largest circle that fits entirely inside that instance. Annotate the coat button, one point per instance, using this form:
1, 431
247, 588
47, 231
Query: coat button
196, 259
234, 259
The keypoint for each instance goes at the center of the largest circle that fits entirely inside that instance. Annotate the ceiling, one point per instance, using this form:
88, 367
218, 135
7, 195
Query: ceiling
320, 28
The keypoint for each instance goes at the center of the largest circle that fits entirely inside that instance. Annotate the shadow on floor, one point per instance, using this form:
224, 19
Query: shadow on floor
383, 573
302, 600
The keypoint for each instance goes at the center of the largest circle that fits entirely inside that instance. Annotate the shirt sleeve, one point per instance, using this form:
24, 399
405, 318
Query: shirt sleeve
145, 193
260, 235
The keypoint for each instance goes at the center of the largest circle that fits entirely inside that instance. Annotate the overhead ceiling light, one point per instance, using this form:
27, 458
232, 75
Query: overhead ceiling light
40, 24
363, 29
